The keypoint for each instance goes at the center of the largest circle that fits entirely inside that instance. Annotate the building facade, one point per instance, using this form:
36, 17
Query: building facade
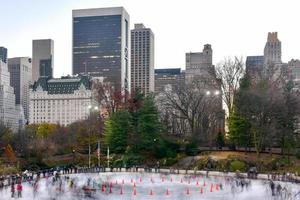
60, 101
294, 71
8, 111
20, 79
3, 54
254, 67
198, 64
269, 64
142, 59
168, 78
42, 58
272, 50
101, 45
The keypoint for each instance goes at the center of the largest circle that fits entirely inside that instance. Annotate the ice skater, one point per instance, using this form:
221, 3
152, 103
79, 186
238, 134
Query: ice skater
19, 190
12, 190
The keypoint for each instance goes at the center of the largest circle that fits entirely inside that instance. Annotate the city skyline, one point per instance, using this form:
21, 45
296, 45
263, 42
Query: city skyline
244, 35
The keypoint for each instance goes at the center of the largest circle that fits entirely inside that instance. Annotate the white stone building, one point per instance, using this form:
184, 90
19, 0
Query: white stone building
142, 59
20, 69
60, 101
9, 115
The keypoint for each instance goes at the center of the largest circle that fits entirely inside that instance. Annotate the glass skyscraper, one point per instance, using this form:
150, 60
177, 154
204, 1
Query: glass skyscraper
42, 58
101, 46
3, 54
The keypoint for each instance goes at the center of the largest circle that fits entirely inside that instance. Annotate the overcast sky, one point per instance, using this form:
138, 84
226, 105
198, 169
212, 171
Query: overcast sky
232, 27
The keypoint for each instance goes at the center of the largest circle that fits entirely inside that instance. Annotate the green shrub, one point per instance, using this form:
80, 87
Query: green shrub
8, 170
170, 161
191, 149
238, 165
298, 154
279, 162
118, 163
132, 159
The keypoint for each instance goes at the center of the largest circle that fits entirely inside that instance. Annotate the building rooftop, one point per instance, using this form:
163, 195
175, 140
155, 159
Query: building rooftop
139, 26
63, 85
168, 71
254, 61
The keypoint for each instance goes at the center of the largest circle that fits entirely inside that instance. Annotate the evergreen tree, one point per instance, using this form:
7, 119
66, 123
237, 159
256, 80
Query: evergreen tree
117, 128
148, 126
239, 134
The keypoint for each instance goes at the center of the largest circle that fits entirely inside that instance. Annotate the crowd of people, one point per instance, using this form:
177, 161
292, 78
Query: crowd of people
61, 183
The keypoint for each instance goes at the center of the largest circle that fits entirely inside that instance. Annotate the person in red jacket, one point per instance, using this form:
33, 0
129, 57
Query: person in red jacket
19, 190
12, 190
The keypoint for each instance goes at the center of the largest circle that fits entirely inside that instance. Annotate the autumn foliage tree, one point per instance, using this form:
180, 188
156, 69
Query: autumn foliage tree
10, 154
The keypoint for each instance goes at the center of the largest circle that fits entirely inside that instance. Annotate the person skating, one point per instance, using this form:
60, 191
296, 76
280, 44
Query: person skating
279, 188
19, 190
12, 190
272, 186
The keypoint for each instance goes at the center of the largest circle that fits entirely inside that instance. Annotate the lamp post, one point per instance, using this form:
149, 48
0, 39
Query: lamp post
213, 95
91, 108
73, 152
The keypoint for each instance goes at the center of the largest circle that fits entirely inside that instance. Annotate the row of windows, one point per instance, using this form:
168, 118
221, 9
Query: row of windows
105, 33
140, 33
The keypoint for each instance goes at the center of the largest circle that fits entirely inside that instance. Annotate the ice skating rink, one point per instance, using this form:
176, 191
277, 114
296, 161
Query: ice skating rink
144, 186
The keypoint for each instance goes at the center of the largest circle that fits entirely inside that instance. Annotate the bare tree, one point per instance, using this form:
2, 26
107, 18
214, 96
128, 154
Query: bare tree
108, 97
192, 109
229, 72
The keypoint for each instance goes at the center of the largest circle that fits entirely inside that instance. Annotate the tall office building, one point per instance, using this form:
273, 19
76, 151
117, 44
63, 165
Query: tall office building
272, 51
168, 78
9, 115
42, 58
101, 45
294, 72
20, 79
3, 54
254, 67
270, 64
199, 64
142, 59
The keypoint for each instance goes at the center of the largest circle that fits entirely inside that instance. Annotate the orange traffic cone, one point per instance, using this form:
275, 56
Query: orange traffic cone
134, 191
151, 192
167, 192
201, 190
187, 191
